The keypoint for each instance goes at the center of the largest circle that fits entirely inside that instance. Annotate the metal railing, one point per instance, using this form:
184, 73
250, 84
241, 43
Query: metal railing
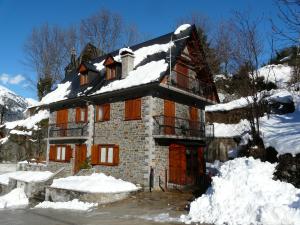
68, 130
192, 85
165, 125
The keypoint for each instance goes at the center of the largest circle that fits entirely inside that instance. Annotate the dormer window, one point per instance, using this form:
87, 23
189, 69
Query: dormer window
112, 68
110, 72
84, 79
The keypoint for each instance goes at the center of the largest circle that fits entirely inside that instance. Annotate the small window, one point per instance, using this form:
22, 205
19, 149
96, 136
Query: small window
81, 114
60, 153
84, 79
105, 155
103, 112
110, 72
133, 109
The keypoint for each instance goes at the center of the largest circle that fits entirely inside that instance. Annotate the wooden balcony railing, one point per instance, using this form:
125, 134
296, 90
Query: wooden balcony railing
192, 85
165, 126
68, 130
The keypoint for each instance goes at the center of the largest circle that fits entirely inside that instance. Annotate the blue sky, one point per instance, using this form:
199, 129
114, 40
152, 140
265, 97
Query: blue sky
152, 17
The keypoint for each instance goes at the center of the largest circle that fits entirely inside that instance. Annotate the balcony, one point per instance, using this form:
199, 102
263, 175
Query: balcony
179, 128
68, 131
192, 85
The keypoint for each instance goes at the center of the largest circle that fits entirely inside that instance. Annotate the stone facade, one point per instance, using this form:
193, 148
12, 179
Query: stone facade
138, 149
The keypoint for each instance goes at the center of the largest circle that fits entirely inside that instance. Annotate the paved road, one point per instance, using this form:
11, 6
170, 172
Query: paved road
143, 209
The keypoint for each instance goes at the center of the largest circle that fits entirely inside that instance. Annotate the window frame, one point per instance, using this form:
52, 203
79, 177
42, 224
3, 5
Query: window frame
111, 72
59, 149
98, 158
83, 79
78, 114
105, 107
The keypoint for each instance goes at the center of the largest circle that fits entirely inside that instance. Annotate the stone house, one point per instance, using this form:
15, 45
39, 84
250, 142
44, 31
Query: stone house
136, 113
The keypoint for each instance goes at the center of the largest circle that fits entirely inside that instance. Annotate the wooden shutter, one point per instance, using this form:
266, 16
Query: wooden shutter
95, 155
62, 116
52, 153
194, 121
182, 76
133, 109
116, 155
106, 112
201, 161
169, 117
77, 115
68, 153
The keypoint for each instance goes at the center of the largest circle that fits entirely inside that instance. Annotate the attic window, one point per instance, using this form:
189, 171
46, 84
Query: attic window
110, 72
84, 79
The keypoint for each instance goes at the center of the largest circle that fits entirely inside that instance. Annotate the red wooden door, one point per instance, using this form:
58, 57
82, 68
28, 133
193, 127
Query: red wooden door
80, 157
194, 121
169, 117
62, 121
177, 164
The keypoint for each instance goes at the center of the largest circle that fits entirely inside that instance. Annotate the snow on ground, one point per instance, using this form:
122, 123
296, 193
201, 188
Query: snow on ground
60, 93
278, 74
95, 183
160, 218
231, 130
30, 122
14, 199
27, 176
75, 204
283, 131
181, 28
142, 75
245, 193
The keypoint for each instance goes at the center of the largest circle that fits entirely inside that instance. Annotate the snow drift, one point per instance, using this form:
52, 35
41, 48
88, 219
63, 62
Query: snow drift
95, 183
14, 199
70, 205
245, 193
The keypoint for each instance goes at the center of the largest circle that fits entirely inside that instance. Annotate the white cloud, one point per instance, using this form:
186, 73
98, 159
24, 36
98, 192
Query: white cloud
10, 79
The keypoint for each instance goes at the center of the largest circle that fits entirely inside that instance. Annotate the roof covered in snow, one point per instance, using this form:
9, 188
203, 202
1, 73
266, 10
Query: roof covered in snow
150, 65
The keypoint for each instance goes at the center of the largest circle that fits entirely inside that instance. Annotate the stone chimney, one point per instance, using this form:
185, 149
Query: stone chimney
127, 57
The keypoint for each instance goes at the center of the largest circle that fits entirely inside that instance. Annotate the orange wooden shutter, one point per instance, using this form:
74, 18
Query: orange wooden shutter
95, 155
77, 115
169, 117
97, 113
137, 108
127, 109
52, 152
106, 112
133, 109
116, 155
68, 153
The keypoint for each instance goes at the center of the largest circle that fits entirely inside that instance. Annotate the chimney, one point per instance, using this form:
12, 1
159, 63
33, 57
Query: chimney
127, 57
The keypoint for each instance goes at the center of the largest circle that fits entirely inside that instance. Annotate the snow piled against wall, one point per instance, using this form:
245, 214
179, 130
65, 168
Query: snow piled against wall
27, 176
245, 193
14, 199
95, 183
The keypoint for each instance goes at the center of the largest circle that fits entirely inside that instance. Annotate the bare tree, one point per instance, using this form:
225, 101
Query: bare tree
131, 35
103, 30
47, 52
248, 49
223, 45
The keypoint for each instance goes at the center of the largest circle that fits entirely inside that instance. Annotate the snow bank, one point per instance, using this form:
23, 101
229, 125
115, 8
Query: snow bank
60, 93
235, 104
70, 205
283, 131
282, 96
30, 122
95, 183
278, 74
142, 75
181, 28
231, 130
14, 199
245, 193
27, 176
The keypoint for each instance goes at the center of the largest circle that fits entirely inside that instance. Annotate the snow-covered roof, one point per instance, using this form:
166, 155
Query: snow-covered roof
150, 64
182, 28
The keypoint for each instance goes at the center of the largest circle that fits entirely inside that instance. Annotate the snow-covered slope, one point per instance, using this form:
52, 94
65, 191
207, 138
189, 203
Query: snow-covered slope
245, 193
14, 104
278, 74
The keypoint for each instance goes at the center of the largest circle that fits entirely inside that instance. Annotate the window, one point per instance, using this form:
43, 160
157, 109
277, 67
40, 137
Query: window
60, 153
103, 112
83, 79
110, 72
105, 155
133, 109
81, 114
